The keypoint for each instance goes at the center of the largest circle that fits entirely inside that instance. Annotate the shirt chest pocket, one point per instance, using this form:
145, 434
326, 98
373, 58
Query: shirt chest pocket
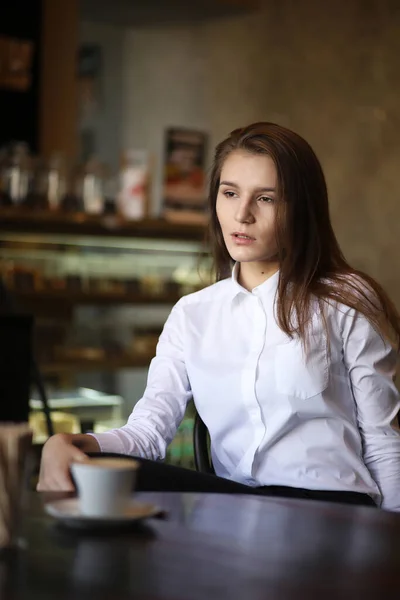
299, 375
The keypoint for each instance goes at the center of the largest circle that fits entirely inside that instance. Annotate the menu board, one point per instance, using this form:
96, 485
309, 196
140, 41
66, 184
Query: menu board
184, 183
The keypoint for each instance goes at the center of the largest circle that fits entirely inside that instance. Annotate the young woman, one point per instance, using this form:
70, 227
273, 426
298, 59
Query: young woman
289, 357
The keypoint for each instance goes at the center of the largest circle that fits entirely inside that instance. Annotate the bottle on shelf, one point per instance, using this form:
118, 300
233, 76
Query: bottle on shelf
91, 187
16, 175
133, 187
5, 199
72, 197
36, 198
110, 194
56, 181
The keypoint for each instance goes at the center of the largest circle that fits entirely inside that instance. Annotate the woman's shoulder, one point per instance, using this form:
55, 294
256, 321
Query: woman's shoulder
352, 296
356, 297
347, 289
350, 280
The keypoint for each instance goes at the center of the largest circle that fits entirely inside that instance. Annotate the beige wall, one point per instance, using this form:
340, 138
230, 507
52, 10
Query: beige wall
329, 70
105, 121
165, 83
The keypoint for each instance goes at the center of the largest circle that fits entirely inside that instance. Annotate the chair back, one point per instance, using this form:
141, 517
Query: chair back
202, 459
15, 366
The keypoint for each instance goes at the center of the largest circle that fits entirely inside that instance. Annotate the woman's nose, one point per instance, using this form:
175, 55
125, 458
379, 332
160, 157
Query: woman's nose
244, 213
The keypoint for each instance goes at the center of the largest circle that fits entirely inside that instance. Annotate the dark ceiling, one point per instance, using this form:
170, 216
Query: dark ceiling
156, 12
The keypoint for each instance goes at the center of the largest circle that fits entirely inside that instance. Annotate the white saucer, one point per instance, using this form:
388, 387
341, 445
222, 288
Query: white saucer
68, 512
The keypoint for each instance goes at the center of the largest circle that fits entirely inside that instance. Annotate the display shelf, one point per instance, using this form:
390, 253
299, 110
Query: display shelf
93, 298
109, 363
45, 222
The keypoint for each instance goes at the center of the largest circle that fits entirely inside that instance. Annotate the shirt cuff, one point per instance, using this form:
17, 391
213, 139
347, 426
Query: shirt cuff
109, 442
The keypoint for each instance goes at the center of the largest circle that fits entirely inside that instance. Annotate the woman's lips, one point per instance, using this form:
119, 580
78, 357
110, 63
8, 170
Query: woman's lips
241, 239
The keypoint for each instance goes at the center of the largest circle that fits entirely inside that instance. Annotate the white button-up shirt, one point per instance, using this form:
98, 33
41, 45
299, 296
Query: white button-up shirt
325, 422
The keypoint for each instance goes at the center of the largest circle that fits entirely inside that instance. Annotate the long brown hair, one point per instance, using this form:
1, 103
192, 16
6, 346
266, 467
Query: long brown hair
311, 262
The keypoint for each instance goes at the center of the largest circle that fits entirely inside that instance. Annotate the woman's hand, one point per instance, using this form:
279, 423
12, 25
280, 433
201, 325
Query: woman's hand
59, 452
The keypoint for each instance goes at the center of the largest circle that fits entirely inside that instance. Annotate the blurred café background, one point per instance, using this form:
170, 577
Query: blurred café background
110, 110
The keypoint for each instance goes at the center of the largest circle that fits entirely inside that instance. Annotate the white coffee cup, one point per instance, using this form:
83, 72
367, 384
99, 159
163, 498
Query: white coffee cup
105, 485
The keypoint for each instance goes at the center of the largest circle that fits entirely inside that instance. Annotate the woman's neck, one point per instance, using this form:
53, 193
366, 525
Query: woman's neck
252, 274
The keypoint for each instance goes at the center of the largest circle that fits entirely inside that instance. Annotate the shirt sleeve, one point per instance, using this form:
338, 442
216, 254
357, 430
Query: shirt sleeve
371, 362
156, 416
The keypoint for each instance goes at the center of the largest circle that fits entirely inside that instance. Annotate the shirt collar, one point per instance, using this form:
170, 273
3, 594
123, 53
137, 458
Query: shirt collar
263, 289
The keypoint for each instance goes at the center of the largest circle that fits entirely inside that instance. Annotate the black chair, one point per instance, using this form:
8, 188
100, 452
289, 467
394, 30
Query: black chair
202, 458
16, 336
15, 367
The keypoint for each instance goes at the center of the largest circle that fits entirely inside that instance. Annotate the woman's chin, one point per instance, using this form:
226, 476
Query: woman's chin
244, 255
248, 254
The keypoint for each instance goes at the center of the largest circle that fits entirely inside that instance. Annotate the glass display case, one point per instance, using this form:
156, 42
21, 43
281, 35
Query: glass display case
53, 275
100, 291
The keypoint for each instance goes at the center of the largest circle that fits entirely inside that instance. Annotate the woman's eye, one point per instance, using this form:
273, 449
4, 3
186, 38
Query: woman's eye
229, 194
266, 199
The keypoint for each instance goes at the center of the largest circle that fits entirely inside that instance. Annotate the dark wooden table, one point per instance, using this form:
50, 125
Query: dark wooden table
213, 546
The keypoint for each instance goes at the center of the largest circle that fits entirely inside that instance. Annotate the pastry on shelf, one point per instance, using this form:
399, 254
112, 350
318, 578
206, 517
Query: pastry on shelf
79, 353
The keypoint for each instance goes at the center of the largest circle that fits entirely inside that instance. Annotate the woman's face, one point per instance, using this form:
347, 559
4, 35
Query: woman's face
246, 205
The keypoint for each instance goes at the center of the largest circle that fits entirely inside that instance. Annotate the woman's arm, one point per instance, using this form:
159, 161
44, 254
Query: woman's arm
371, 363
151, 426
156, 417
